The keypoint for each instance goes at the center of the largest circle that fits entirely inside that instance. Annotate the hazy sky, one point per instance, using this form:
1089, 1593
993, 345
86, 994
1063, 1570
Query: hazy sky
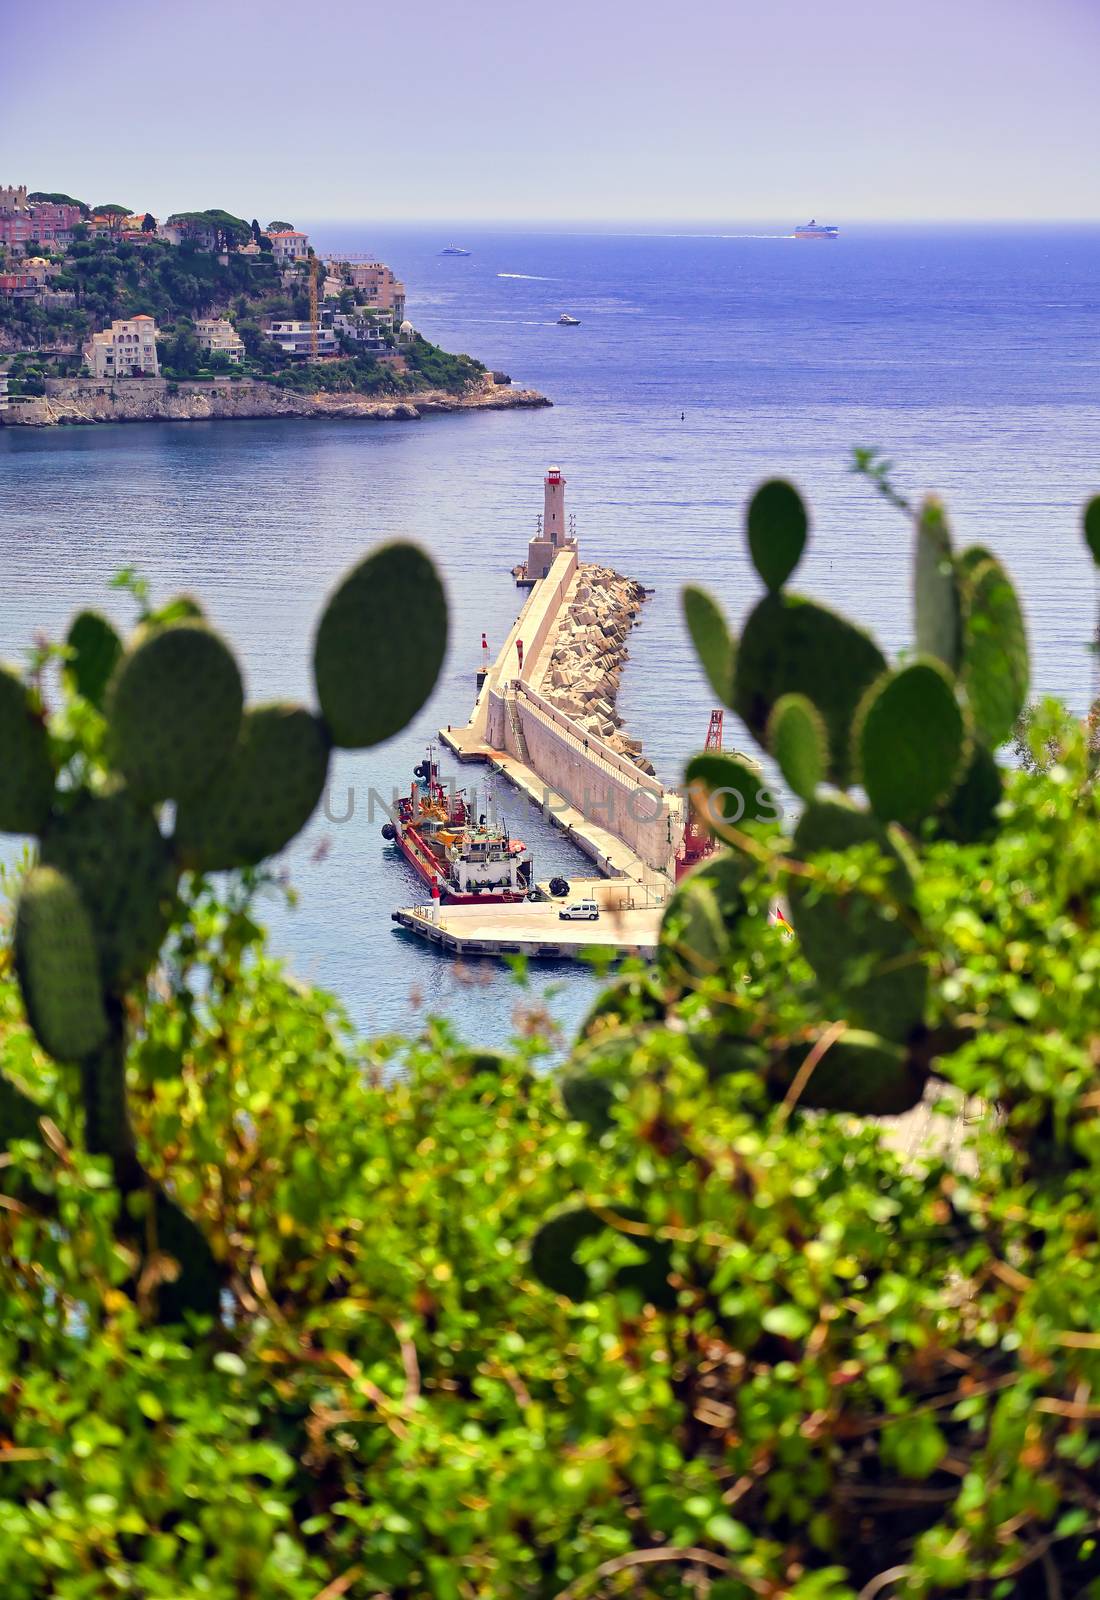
584, 109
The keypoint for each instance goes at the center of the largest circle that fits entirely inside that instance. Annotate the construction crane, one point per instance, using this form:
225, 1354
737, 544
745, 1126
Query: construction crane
698, 842
314, 320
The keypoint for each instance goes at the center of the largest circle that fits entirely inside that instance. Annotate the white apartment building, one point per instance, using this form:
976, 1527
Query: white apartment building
127, 349
218, 336
296, 338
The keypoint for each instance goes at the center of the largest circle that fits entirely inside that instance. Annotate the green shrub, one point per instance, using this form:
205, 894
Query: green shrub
794, 1355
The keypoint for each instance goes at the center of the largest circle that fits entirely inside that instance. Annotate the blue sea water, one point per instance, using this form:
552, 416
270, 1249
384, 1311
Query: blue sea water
703, 361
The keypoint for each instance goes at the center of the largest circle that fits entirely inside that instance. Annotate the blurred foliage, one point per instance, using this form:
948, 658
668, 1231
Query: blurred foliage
864, 1368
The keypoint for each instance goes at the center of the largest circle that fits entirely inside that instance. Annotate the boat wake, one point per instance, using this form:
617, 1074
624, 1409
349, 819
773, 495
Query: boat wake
529, 277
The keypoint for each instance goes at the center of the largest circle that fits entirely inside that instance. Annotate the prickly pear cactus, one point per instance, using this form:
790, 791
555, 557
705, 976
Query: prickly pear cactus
380, 645
174, 705
1091, 527
911, 736
271, 786
554, 1259
92, 917
26, 776
919, 739
55, 957
777, 529
711, 638
94, 652
937, 600
792, 646
862, 946
995, 670
859, 1072
112, 849
798, 741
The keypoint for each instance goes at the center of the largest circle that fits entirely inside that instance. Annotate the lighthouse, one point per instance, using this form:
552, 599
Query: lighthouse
553, 533
553, 514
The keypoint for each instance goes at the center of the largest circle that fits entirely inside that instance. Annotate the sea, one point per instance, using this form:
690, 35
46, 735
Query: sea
705, 359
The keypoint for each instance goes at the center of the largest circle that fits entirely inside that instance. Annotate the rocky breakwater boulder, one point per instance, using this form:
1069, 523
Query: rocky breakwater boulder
588, 652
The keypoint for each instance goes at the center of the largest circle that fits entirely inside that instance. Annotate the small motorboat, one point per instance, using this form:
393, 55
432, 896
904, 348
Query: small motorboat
566, 321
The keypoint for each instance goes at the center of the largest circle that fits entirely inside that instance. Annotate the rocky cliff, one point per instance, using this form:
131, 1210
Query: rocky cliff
80, 401
586, 654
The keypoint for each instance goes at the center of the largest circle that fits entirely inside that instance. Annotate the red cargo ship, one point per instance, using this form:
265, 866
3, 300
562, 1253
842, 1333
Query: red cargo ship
471, 861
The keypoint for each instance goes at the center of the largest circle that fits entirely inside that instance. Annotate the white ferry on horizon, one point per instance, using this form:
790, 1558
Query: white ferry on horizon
454, 250
816, 230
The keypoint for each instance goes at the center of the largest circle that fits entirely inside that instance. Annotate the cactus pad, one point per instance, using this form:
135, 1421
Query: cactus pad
628, 1001
799, 743
19, 1114
970, 814
910, 736
95, 651
174, 704
711, 637
936, 599
554, 1262
693, 938
55, 958
861, 945
380, 645
265, 795
791, 646
113, 851
1090, 523
777, 527
995, 669
727, 789
26, 774
860, 1072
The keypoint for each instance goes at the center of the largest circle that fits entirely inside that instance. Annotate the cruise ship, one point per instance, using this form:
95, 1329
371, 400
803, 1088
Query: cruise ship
816, 230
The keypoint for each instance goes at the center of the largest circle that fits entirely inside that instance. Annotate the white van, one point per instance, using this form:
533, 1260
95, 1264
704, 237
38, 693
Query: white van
580, 911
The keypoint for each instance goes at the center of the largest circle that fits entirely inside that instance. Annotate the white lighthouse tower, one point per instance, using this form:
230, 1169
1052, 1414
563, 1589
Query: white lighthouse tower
553, 534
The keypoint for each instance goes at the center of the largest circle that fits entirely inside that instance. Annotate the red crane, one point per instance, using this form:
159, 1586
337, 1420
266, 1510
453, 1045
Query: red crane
698, 843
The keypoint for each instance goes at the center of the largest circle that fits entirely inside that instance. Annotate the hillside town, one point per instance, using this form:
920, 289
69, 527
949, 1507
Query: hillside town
105, 294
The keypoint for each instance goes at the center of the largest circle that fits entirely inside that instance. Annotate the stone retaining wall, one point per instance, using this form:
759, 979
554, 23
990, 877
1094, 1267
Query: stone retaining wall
580, 668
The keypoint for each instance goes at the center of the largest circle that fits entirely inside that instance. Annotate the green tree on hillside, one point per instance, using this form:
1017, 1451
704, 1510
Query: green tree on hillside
60, 200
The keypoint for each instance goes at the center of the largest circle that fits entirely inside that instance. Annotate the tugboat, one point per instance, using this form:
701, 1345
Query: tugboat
566, 321
453, 250
472, 862
816, 230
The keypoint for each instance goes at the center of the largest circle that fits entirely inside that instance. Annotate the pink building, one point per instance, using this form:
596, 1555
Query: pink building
19, 285
383, 290
41, 222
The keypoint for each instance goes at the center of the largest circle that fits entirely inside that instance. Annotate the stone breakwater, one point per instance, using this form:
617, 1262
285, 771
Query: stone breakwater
77, 402
585, 655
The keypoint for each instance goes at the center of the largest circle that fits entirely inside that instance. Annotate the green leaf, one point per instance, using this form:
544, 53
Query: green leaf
798, 741
995, 668
777, 528
1091, 526
787, 1321
911, 737
936, 598
712, 640
914, 1445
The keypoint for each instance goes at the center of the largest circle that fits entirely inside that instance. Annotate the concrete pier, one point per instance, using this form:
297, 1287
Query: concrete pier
532, 928
544, 718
